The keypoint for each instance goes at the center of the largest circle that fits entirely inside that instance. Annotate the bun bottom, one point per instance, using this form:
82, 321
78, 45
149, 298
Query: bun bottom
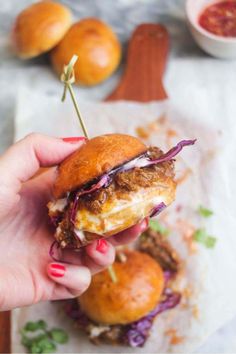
121, 214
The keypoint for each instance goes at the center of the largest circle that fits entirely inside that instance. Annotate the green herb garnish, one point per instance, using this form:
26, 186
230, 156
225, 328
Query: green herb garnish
201, 236
156, 226
43, 340
206, 213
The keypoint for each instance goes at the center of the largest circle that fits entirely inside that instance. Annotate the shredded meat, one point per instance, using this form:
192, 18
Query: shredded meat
156, 245
130, 180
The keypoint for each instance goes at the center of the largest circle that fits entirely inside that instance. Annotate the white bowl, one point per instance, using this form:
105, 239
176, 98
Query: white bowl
218, 46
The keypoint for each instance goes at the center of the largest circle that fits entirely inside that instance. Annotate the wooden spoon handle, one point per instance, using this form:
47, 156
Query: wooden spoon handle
146, 61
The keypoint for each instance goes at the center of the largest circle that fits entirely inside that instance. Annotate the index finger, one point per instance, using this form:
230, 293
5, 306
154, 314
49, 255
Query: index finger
130, 234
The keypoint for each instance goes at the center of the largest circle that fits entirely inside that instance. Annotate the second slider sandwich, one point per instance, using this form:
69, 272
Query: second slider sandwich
110, 184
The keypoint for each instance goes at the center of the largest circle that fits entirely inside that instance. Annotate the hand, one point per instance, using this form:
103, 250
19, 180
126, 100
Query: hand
27, 273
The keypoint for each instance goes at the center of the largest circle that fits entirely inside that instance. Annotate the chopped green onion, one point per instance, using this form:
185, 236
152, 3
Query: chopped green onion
58, 335
156, 226
44, 341
206, 213
201, 236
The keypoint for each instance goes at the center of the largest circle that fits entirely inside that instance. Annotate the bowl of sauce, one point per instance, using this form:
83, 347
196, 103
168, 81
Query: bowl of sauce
213, 26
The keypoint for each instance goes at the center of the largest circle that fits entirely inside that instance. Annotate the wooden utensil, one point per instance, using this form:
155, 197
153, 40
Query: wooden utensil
146, 62
141, 81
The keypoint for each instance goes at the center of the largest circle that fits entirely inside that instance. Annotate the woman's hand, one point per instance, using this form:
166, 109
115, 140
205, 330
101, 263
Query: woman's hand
27, 273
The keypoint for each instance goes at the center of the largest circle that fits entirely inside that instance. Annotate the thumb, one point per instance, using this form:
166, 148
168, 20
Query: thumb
23, 159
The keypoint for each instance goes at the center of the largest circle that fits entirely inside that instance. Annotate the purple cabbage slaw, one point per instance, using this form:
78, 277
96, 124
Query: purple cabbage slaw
142, 161
157, 209
137, 333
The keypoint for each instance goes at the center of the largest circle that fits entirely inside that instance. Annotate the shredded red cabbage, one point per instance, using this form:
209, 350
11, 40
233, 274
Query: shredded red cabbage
173, 152
73, 310
157, 209
139, 162
137, 333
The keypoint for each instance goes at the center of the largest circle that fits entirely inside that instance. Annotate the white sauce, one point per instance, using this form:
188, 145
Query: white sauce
58, 205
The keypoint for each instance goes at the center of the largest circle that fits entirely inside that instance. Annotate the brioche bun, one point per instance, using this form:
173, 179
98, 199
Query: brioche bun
39, 28
138, 289
97, 47
96, 157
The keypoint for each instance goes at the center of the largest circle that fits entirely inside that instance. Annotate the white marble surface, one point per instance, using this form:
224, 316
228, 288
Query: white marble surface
123, 15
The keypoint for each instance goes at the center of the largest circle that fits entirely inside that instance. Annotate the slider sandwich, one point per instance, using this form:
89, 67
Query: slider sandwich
123, 312
110, 184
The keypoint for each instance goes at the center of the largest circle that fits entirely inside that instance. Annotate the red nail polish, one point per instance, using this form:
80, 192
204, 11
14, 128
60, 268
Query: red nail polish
74, 139
57, 270
102, 246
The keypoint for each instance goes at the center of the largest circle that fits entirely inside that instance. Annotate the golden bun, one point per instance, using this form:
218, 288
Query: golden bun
96, 157
97, 47
140, 283
39, 28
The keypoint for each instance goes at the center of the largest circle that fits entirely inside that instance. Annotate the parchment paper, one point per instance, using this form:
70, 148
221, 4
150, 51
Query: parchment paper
203, 107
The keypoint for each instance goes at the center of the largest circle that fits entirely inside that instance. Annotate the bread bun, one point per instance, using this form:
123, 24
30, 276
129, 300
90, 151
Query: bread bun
97, 47
39, 28
98, 156
138, 289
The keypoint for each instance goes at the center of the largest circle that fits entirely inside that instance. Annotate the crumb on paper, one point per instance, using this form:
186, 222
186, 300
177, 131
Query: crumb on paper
162, 119
186, 173
175, 339
154, 126
187, 295
195, 312
142, 133
208, 156
145, 132
171, 133
187, 292
178, 208
187, 230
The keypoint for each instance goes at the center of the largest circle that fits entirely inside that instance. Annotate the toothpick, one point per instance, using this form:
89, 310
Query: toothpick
112, 274
68, 78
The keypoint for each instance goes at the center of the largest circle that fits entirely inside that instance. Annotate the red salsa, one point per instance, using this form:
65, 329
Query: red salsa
220, 19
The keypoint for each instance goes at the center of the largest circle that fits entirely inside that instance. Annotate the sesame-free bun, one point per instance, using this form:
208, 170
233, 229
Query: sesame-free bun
97, 47
96, 157
39, 28
138, 289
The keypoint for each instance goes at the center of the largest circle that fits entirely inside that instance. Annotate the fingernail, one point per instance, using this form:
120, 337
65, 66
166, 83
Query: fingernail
102, 246
74, 139
57, 270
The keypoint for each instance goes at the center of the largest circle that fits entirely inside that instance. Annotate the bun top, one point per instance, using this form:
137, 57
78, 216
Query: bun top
96, 157
97, 47
39, 28
139, 285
